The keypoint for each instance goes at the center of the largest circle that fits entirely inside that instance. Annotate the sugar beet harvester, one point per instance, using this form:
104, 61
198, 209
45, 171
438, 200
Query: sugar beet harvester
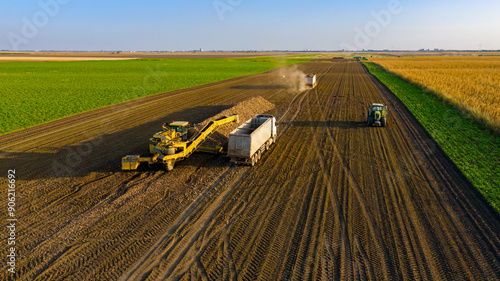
172, 144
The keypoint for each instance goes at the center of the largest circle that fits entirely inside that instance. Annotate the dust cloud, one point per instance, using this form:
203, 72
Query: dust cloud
293, 78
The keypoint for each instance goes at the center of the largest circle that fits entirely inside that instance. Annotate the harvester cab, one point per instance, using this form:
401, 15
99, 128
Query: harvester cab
377, 115
167, 140
180, 128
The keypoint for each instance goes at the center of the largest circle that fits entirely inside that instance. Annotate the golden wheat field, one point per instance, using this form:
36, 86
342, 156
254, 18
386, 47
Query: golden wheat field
470, 83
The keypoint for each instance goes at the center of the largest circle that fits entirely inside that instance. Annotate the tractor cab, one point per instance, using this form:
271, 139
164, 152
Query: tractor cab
377, 107
180, 128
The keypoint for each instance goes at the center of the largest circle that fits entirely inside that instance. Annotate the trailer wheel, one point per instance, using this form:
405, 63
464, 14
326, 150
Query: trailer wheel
253, 161
268, 144
169, 165
258, 155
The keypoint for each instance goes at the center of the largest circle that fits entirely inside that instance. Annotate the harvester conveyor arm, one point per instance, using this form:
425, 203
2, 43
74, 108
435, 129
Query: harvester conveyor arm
201, 136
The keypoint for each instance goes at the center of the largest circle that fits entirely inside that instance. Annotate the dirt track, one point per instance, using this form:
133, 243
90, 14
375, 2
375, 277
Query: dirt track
332, 199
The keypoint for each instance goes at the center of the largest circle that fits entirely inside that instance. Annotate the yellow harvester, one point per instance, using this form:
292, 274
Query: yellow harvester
172, 144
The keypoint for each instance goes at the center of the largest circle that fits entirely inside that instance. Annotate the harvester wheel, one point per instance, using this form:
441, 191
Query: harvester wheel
169, 165
383, 121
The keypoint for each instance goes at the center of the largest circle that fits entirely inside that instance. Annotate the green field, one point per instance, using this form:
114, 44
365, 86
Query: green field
474, 149
37, 92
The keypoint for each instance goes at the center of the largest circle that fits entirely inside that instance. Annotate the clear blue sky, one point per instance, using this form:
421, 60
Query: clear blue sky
249, 25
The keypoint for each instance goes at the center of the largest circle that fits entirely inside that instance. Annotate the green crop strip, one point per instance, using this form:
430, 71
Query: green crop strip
474, 149
37, 92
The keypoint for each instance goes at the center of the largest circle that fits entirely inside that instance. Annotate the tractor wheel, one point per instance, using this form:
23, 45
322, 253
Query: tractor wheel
170, 165
370, 121
383, 121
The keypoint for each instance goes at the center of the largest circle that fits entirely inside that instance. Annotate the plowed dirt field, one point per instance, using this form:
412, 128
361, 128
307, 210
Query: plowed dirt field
331, 200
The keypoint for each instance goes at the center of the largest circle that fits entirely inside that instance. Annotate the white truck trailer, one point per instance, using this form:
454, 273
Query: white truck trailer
311, 80
251, 139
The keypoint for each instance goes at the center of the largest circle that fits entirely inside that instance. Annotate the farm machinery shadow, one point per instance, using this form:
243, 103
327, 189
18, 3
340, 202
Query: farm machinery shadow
262, 87
331, 124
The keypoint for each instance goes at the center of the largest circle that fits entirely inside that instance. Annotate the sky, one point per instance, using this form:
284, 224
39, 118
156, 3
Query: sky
162, 25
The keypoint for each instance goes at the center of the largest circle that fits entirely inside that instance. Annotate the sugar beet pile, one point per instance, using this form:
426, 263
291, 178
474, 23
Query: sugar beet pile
245, 110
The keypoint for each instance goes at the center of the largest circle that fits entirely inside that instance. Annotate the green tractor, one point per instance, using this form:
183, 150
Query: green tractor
377, 115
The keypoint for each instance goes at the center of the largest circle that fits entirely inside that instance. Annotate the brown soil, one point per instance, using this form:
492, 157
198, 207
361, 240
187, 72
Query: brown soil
332, 199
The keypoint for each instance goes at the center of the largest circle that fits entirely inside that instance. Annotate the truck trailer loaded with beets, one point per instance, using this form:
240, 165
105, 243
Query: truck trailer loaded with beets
250, 140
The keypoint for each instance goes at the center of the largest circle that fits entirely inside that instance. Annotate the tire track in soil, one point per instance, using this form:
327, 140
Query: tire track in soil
69, 229
63, 183
183, 251
364, 262
293, 117
158, 250
451, 220
254, 264
332, 199
215, 208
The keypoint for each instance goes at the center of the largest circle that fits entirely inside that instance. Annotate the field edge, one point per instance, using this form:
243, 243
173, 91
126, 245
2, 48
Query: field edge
150, 81
471, 146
